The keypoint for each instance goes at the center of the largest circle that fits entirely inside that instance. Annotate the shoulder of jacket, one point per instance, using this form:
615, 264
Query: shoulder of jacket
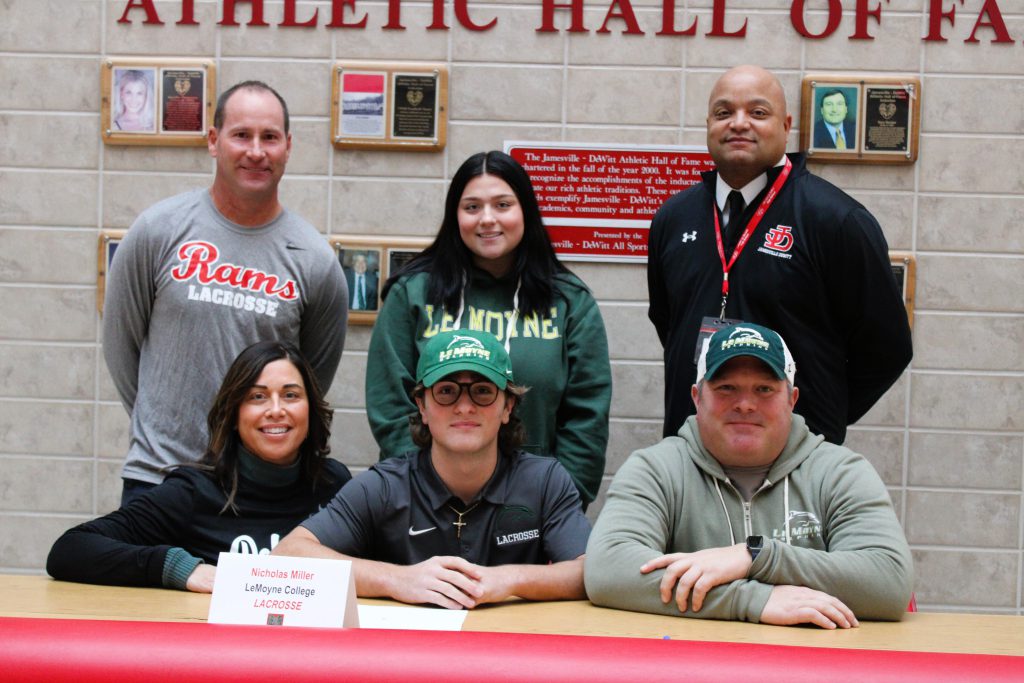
399, 465
571, 287
694, 193
156, 224
173, 204
686, 206
823, 193
540, 474
411, 282
827, 458
522, 460
297, 236
663, 455
827, 207
191, 480
834, 452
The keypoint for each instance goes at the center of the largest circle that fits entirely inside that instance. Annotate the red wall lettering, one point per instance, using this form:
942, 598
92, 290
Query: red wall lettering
256, 18
547, 22
796, 15
625, 13
394, 16
438, 17
935, 17
151, 16
718, 22
289, 16
995, 22
861, 17
668, 21
462, 14
338, 15
989, 21
188, 15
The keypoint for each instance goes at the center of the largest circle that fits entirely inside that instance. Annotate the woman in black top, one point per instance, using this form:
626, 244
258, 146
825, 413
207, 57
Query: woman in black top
264, 471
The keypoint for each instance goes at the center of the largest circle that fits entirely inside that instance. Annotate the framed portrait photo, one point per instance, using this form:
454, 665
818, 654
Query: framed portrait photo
367, 262
133, 100
835, 118
156, 102
385, 106
853, 119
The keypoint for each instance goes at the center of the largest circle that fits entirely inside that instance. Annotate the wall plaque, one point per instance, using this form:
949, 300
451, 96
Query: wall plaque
855, 119
368, 261
597, 200
156, 102
389, 106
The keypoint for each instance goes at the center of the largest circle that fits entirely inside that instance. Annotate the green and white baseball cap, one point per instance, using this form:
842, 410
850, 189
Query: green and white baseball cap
746, 339
457, 350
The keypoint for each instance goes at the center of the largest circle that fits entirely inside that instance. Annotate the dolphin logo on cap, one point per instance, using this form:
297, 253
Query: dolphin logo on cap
463, 340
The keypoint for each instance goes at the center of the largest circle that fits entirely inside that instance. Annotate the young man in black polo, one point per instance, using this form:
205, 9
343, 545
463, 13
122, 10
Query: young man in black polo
467, 519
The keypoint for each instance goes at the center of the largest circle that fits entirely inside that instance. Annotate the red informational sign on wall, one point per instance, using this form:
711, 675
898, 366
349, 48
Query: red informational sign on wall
597, 201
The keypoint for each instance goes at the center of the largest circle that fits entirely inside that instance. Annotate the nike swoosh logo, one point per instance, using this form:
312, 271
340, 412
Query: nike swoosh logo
415, 532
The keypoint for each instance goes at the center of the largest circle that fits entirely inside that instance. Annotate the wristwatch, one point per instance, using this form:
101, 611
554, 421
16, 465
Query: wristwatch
755, 544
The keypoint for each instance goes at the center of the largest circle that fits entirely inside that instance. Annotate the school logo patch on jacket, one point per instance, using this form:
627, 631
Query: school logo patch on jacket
778, 241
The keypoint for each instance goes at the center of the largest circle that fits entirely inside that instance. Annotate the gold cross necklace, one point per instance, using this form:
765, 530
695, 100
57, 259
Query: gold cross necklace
458, 524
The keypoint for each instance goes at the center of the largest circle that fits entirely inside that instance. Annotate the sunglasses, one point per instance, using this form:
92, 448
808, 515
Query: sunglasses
446, 392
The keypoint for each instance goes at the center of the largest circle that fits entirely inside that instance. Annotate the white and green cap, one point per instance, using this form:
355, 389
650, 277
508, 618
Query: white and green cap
457, 350
746, 339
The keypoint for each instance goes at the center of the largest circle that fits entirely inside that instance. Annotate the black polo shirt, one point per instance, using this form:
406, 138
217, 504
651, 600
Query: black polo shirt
400, 511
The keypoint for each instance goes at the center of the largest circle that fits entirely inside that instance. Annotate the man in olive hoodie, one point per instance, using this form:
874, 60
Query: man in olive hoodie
746, 515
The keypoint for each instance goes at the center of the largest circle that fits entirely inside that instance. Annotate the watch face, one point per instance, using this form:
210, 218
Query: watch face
754, 546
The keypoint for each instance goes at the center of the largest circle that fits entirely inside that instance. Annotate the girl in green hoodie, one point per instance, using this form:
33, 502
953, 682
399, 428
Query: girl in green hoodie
492, 268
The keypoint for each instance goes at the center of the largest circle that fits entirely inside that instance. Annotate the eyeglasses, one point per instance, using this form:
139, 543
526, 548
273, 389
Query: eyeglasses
447, 393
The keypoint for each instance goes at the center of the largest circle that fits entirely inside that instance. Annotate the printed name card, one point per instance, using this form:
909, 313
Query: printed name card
283, 591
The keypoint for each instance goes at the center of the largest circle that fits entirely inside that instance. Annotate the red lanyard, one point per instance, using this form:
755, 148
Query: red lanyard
751, 226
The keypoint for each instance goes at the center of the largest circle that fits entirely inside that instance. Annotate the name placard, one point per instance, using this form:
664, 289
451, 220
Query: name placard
283, 591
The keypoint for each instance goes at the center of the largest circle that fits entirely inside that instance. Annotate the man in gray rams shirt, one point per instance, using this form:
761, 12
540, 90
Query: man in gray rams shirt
468, 519
203, 275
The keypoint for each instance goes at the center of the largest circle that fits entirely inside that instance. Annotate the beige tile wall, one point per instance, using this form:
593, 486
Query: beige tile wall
948, 439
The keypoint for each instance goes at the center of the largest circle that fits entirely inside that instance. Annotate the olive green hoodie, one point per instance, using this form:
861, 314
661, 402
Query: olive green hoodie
824, 513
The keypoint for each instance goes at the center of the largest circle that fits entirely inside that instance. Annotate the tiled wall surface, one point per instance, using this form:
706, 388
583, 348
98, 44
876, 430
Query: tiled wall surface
948, 439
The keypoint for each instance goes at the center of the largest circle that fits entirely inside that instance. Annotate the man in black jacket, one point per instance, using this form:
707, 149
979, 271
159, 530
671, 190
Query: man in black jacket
763, 240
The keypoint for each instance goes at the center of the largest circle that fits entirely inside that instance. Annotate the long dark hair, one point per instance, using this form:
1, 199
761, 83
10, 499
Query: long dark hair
448, 258
221, 457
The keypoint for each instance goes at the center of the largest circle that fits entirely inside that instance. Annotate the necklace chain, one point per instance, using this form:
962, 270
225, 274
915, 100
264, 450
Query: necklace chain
458, 524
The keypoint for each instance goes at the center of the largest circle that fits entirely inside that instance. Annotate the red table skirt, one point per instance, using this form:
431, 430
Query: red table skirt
83, 651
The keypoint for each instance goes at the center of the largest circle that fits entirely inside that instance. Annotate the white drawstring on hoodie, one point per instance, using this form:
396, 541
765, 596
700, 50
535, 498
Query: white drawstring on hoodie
510, 328
785, 508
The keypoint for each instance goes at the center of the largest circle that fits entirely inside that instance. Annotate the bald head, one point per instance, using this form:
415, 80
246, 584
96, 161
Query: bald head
751, 75
747, 123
